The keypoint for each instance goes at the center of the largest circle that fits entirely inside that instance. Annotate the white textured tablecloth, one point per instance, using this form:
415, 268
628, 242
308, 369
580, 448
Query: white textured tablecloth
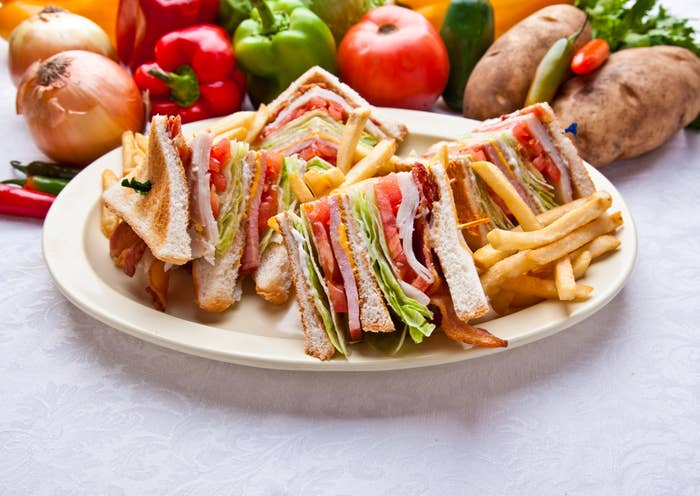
610, 406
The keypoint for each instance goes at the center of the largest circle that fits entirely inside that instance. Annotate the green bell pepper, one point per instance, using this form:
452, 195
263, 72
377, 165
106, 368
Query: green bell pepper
280, 41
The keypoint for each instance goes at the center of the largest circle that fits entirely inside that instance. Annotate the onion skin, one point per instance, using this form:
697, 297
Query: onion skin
52, 31
77, 104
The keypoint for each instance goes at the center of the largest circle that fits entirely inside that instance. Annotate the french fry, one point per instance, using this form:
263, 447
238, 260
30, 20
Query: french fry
508, 268
521, 300
581, 263
108, 219
238, 119
236, 133
128, 152
299, 188
141, 142
352, 132
564, 279
599, 246
487, 255
543, 288
501, 302
259, 121
574, 240
500, 185
368, 166
597, 203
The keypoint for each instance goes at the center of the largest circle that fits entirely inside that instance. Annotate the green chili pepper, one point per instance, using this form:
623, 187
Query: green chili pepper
280, 41
52, 185
553, 69
38, 168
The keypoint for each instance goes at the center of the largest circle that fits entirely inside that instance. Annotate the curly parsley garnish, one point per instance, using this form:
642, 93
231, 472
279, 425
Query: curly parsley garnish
141, 187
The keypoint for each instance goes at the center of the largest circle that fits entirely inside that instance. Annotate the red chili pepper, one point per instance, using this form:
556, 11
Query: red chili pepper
194, 75
140, 23
590, 56
23, 202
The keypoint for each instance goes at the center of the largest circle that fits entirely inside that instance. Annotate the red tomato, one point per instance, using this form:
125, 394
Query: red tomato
218, 180
382, 190
215, 202
221, 153
326, 258
268, 208
394, 58
590, 56
320, 148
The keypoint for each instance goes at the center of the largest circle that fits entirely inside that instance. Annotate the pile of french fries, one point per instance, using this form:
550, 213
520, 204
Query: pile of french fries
134, 149
545, 256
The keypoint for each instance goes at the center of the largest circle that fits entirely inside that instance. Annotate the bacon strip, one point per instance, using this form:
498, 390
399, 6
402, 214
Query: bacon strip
460, 331
126, 248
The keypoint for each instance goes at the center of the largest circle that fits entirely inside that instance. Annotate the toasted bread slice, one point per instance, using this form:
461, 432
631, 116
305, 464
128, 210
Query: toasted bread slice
317, 75
273, 278
453, 253
216, 286
161, 216
316, 341
468, 205
374, 315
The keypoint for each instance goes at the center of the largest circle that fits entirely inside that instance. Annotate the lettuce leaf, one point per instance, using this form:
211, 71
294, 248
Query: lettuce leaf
307, 125
528, 175
334, 330
415, 315
232, 200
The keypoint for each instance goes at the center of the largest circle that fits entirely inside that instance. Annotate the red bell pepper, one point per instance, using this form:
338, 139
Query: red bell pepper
194, 75
140, 23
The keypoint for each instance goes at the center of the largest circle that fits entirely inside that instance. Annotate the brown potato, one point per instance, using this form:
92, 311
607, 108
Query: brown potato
633, 104
499, 82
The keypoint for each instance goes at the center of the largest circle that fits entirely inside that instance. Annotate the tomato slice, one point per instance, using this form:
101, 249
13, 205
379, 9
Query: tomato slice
221, 152
477, 154
536, 154
386, 193
320, 148
215, 202
319, 218
218, 180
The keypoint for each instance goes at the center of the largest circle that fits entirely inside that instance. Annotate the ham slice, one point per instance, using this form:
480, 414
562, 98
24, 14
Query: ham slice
343, 261
203, 229
251, 255
315, 91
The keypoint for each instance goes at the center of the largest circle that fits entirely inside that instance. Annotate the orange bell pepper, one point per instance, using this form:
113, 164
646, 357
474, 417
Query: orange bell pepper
433, 10
506, 12
104, 13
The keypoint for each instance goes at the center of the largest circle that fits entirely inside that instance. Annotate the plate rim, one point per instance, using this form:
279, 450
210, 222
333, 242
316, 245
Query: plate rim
57, 248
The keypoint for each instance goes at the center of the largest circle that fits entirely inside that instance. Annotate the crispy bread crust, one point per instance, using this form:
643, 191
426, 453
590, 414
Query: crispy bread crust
374, 315
216, 285
317, 74
161, 216
455, 257
316, 341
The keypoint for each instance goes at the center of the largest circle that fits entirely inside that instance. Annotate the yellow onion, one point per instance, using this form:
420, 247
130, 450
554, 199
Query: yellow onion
51, 31
77, 104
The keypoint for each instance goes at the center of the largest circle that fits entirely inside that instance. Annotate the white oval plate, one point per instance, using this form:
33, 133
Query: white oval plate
258, 334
